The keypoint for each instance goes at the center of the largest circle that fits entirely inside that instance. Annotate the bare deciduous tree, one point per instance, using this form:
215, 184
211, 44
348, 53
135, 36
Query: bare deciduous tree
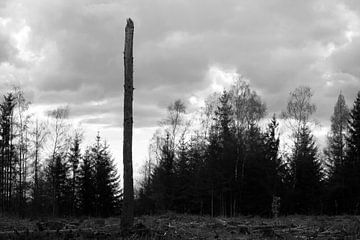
38, 133
299, 108
21, 123
59, 138
247, 106
248, 109
175, 123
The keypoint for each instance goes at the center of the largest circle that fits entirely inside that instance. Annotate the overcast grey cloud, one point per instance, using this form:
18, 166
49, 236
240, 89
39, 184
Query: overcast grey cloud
70, 52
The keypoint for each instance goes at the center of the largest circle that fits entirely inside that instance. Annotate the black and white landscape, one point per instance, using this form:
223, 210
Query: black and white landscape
241, 119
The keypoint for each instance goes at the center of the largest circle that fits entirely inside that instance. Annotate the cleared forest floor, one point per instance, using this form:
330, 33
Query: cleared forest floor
172, 226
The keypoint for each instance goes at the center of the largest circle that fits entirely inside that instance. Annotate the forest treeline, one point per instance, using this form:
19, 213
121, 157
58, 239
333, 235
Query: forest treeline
43, 170
227, 159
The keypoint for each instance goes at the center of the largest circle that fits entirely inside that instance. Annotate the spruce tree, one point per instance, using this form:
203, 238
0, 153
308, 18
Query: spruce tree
336, 139
106, 180
352, 161
7, 152
275, 168
306, 174
163, 178
86, 185
224, 161
183, 181
335, 153
58, 179
197, 170
257, 194
212, 172
74, 159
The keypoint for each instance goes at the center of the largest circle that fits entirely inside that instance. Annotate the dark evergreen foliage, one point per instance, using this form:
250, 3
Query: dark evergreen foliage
163, 178
106, 180
232, 167
351, 170
7, 153
182, 172
335, 199
307, 175
59, 185
74, 157
275, 166
238, 170
230, 172
87, 185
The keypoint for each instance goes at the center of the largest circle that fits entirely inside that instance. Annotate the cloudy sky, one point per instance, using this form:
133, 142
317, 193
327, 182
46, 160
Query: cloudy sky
70, 52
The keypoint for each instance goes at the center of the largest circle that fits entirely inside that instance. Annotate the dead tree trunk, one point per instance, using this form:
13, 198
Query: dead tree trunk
128, 207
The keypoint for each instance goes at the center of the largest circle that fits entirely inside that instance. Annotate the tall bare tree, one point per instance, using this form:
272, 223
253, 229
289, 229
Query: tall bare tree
128, 207
248, 108
74, 157
175, 123
298, 112
246, 103
39, 134
7, 162
59, 143
21, 124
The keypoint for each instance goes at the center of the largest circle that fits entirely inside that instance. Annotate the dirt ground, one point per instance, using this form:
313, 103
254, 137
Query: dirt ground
173, 226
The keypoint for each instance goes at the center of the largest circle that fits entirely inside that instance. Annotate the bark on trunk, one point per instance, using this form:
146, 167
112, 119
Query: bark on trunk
128, 207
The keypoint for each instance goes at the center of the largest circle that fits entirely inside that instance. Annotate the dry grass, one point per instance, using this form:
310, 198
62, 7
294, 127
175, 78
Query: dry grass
173, 226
